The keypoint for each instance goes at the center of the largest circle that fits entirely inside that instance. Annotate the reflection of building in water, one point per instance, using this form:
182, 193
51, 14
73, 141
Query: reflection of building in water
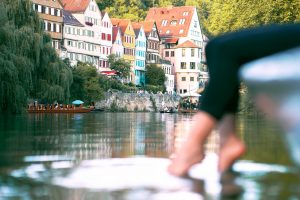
148, 139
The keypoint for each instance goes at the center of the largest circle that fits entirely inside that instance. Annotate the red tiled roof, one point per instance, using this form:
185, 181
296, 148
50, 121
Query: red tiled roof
75, 5
187, 44
172, 14
122, 23
148, 25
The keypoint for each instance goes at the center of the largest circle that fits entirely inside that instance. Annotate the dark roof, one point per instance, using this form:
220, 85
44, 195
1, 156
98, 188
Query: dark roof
137, 28
115, 30
69, 19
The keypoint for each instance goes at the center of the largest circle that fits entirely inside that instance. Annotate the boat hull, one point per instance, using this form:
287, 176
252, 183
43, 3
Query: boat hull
76, 110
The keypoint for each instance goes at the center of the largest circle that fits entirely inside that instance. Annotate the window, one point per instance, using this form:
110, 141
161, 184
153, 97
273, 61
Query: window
195, 24
183, 78
167, 54
109, 37
103, 36
182, 65
172, 53
173, 22
48, 26
183, 52
43, 9
192, 52
192, 78
164, 22
185, 13
181, 21
192, 65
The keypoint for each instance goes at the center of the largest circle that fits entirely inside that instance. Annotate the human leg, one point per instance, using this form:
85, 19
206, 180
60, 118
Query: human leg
231, 147
191, 151
225, 55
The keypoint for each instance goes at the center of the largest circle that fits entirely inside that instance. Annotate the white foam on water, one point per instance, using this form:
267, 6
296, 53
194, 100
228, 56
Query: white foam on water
123, 173
207, 170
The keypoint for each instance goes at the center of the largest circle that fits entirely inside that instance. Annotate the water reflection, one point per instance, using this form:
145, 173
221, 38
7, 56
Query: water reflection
36, 150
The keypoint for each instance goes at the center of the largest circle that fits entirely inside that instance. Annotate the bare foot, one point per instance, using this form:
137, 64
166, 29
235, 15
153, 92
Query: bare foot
191, 151
233, 149
183, 160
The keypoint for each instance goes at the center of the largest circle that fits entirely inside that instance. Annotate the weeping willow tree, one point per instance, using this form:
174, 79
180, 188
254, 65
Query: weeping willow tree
29, 66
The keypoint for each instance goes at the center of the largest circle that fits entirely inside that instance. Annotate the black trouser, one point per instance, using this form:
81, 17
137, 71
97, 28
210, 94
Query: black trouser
225, 54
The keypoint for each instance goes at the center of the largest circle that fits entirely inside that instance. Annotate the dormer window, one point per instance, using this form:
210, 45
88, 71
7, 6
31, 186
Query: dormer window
181, 31
185, 13
164, 22
181, 21
173, 22
168, 32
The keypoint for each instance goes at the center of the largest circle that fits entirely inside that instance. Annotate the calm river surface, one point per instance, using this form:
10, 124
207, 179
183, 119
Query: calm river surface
36, 149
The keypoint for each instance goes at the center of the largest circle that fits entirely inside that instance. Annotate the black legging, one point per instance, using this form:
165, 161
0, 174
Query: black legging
225, 54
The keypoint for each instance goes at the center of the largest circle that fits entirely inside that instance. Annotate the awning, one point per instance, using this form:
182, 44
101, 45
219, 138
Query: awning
109, 73
190, 94
171, 40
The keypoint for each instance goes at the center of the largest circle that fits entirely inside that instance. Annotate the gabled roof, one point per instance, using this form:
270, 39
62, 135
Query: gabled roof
187, 44
137, 28
50, 3
115, 30
148, 25
177, 20
75, 5
69, 19
122, 23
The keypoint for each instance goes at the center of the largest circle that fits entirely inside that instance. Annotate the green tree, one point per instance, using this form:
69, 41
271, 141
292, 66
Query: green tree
220, 16
102, 4
29, 66
120, 65
86, 84
127, 9
155, 75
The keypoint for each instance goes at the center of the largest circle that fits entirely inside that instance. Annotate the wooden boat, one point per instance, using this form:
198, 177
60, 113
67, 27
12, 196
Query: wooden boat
63, 109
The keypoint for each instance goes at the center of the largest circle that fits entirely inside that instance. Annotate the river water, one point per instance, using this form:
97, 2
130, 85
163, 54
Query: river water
108, 156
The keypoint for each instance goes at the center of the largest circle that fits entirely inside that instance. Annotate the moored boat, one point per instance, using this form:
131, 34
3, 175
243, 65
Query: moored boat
59, 109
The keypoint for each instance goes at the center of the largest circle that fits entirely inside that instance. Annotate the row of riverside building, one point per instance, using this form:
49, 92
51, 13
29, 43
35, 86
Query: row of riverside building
170, 37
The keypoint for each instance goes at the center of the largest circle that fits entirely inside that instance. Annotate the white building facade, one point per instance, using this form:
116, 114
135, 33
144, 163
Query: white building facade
106, 41
187, 69
83, 43
181, 35
170, 80
117, 44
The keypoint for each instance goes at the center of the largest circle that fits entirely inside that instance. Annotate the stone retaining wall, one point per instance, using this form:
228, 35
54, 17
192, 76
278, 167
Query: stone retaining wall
138, 102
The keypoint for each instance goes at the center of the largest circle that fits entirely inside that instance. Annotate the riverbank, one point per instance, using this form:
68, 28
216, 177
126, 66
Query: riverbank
136, 102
